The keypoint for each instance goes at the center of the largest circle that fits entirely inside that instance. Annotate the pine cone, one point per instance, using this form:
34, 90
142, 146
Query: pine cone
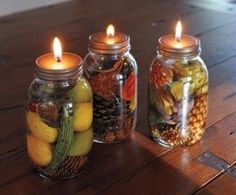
70, 167
107, 114
169, 134
120, 134
112, 119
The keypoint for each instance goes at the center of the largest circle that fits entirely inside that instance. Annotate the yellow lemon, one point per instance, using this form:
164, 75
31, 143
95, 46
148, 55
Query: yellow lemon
40, 129
39, 152
83, 116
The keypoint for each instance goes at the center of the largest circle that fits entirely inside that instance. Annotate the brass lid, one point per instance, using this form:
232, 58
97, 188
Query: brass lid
101, 43
72, 62
188, 46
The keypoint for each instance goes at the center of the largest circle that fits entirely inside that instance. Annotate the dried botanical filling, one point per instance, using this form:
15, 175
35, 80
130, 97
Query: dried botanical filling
60, 133
114, 100
178, 102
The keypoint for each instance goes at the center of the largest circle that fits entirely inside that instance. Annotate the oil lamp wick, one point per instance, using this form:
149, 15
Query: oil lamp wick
58, 59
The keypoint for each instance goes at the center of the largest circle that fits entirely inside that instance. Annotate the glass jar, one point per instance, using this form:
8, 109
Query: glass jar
177, 98
112, 73
59, 117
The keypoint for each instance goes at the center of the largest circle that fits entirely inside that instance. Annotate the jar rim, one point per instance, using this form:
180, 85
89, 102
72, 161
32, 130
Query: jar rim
188, 51
59, 74
97, 44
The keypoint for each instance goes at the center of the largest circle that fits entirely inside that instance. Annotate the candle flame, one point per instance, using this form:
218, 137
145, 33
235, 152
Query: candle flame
57, 49
178, 31
110, 30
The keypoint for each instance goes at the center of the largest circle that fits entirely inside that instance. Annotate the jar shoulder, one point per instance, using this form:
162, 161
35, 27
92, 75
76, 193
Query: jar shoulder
109, 64
192, 64
39, 87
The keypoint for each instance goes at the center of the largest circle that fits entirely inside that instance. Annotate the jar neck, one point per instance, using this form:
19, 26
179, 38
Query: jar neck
177, 57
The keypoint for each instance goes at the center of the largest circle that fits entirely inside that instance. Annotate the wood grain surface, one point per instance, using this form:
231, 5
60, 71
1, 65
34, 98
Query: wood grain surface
139, 165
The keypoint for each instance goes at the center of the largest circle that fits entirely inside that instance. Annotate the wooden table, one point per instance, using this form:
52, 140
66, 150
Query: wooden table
137, 166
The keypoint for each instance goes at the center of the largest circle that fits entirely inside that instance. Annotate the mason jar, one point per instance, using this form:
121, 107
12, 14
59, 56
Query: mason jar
112, 73
178, 88
59, 116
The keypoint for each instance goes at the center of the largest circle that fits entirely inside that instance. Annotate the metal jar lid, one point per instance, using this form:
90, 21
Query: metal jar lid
188, 46
44, 69
101, 43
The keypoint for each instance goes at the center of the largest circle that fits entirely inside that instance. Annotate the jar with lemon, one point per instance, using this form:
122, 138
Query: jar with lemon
59, 117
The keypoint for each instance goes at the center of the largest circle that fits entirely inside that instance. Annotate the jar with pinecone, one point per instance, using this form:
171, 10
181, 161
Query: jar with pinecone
177, 95
112, 73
